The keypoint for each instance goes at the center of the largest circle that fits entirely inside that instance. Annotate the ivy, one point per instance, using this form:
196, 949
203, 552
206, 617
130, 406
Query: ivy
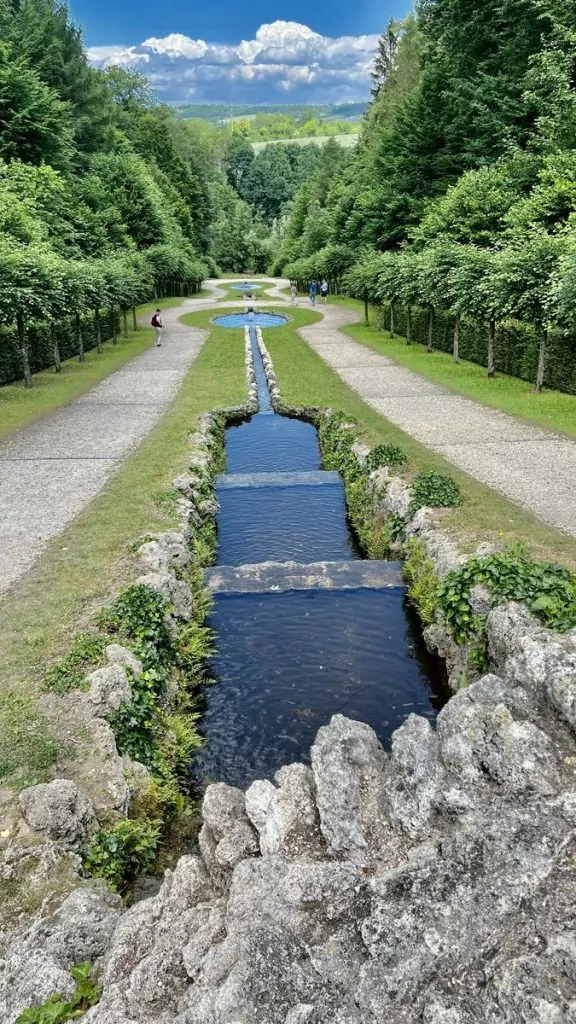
434, 490
548, 590
121, 853
57, 1010
386, 455
138, 616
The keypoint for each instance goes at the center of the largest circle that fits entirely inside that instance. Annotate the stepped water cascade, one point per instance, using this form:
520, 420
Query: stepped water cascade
305, 627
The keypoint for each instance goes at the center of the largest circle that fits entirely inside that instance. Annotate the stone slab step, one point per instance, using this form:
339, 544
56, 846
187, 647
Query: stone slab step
307, 479
277, 577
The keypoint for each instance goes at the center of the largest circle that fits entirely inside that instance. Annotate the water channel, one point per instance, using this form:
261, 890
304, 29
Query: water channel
298, 641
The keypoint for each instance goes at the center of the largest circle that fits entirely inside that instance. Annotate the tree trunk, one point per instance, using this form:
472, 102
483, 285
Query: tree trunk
409, 325
541, 362
125, 320
456, 340
430, 345
55, 348
113, 315
23, 342
391, 319
98, 325
379, 318
490, 355
134, 321
79, 339
366, 317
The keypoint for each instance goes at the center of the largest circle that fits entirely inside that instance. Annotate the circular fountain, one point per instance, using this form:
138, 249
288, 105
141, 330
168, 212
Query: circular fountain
250, 320
246, 287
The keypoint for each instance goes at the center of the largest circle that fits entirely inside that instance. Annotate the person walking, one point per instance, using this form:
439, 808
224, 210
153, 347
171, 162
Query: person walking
293, 293
158, 326
324, 290
313, 292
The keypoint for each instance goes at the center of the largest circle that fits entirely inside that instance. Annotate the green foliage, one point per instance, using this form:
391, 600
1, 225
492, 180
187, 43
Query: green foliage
56, 1010
386, 455
421, 581
548, 590
136, 724
194, 645
138, 615
69, 673
121, 853
434, 490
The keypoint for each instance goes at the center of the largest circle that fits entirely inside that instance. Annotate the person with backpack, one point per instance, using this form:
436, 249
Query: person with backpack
324, 290
313, 292
156, 323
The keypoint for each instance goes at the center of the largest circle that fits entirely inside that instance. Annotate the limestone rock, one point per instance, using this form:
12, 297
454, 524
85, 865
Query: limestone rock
397, 498
118, 655
165, 551
286, 818
416, 774
109, 687
58, 809
176, 592
349, 774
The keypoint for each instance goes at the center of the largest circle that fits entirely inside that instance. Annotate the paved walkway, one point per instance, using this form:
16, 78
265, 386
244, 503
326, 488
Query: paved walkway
533, 467
50, 470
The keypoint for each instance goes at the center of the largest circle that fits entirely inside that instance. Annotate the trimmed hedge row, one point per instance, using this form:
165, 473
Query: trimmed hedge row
40, 350
515, 350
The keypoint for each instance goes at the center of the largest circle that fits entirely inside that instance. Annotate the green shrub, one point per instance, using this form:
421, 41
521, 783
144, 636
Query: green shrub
421, 580
69, 673
385, 455
56, 1010
136, 724
138, 616
179, 739
195, 644
548, 590
434, 490
123, 852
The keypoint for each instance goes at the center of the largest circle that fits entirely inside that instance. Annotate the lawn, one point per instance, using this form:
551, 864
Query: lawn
82, 567
20, 405
485, 515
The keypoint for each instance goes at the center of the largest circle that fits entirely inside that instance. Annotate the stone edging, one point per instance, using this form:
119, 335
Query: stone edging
521, 650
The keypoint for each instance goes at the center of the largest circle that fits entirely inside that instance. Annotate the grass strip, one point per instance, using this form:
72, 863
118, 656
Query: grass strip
484, 516
81, 568
50, 390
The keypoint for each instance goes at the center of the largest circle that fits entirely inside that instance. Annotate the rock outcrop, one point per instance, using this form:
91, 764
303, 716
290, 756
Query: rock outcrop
434, 885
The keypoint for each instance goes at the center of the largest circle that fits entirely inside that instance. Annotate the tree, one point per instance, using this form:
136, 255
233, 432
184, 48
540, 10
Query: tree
385, 59
35, 124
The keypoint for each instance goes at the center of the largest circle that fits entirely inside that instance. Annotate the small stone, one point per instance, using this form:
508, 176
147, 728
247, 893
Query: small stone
109, 688
59, 809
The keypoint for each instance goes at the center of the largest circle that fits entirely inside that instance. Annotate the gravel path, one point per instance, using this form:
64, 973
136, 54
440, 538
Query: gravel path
533, 467
50, 470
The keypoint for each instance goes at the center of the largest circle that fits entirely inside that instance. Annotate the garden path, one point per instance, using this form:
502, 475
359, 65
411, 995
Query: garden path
533, 467
51, 469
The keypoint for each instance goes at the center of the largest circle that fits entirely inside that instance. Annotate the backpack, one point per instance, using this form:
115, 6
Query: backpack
154, 321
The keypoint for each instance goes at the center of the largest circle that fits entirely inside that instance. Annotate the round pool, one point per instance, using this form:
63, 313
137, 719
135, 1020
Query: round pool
245, 287
253, 319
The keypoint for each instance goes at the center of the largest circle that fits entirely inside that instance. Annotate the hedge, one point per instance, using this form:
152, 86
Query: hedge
515, 350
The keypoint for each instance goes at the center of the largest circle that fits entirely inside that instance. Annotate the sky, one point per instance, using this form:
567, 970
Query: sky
228, 52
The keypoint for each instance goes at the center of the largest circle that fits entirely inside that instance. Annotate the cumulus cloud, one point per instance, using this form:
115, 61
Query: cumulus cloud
283, 57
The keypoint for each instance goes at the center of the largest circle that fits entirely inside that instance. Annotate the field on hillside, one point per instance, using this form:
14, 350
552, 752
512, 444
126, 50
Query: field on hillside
319, 140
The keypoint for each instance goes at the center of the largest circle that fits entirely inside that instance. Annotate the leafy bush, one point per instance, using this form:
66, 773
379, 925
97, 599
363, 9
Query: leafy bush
123, 852
56, 1011
135, 724
434, 490
70, 672
386, 455
138, 615
195, 644
548, 590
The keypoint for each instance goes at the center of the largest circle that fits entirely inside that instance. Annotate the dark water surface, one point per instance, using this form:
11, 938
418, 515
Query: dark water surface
287, 662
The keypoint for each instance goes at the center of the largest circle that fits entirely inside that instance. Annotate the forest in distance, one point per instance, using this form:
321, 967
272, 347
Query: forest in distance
454, 213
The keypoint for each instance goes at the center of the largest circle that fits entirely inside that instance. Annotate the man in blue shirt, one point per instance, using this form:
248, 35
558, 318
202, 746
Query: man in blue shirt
313, 292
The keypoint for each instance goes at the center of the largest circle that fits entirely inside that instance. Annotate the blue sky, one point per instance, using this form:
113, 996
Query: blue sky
241, 53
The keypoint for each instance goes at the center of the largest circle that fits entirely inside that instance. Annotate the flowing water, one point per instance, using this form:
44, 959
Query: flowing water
302, 642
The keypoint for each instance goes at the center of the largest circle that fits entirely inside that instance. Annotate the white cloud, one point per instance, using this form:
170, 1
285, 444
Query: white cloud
284, 55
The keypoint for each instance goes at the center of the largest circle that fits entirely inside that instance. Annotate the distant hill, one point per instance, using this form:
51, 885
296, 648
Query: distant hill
220, 113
